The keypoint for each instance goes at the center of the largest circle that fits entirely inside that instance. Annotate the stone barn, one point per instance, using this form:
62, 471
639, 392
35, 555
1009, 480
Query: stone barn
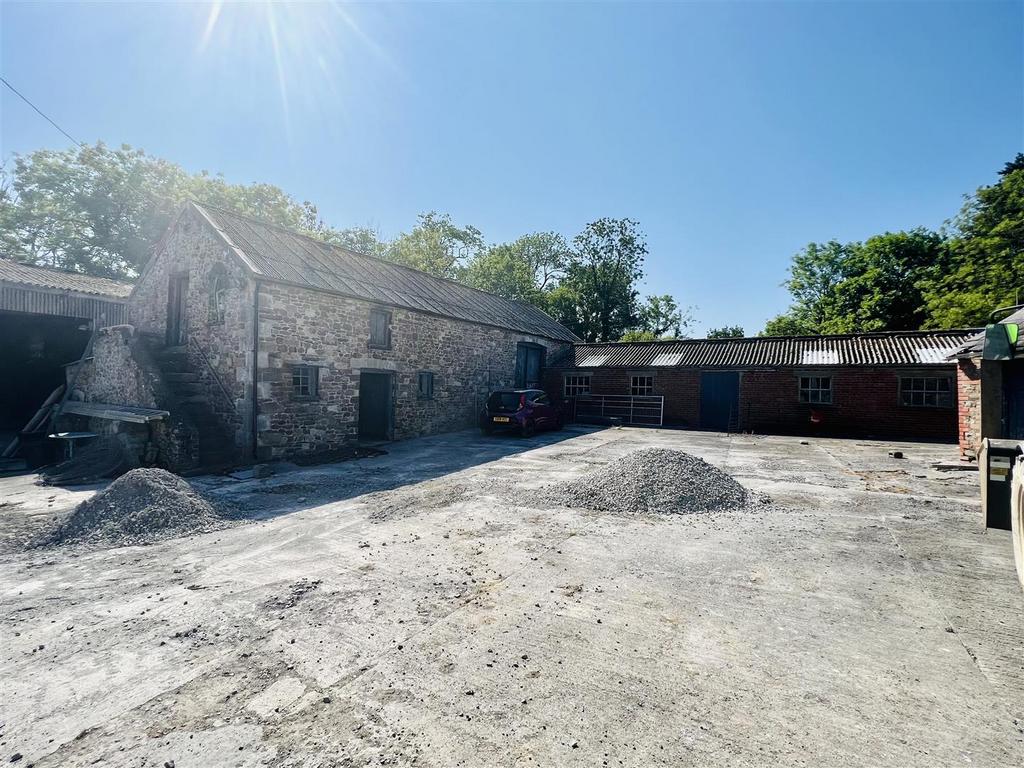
263, 343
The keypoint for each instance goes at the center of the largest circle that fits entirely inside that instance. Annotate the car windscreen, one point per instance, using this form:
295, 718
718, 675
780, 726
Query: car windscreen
503, 401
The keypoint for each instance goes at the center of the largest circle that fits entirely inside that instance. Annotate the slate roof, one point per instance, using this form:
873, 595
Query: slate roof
281, 255
42, 277
901, 348
975, 345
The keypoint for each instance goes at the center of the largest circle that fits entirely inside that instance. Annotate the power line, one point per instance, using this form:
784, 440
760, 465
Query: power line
42, 114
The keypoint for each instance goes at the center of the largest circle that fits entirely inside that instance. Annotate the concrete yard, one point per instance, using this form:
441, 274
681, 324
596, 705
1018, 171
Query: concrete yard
414, 609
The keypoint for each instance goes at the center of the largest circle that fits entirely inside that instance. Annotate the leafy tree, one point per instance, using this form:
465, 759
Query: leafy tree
859, 287
726, 332
100, 210
638, 335
525, 270
983, 266
662, 317
437, 246
358, 239
787, 324
597, 298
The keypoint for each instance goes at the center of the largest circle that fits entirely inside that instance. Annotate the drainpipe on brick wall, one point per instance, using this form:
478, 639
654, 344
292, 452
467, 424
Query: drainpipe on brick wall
256, 373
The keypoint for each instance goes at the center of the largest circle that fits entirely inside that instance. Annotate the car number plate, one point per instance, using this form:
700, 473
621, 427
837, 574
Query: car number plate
501, 419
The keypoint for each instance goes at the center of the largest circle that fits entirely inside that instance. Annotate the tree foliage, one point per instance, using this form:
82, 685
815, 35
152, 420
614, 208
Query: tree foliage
918, 278
660, 317
100, 210
726, 332
436, 245
597, 299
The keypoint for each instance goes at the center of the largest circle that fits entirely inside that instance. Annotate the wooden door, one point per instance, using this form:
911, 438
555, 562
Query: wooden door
177, 310
375, 405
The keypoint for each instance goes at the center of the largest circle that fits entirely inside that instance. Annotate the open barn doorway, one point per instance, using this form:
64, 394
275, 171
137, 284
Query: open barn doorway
33, 352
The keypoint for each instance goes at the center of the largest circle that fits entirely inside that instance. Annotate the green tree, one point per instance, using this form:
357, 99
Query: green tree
726, 332
983, 266
359, 239
526, 269
787, 324
101, 210
436, 245
597, 298
662, 317
880, 287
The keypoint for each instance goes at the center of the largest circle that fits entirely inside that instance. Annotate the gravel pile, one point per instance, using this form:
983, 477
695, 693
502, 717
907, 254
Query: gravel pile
653, 480
141, 506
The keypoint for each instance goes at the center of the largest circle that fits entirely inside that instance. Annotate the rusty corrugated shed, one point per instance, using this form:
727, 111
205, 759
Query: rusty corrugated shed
61, 280
906, 348
279, 254
40, 291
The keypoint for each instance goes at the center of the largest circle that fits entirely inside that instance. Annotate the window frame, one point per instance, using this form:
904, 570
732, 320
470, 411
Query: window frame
633, 386
312, 373
922, 392
576, 386
388, 317
217, 307
814, 381
427, 394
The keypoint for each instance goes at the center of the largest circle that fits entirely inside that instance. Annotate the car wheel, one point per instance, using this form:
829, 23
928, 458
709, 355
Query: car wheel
527, 429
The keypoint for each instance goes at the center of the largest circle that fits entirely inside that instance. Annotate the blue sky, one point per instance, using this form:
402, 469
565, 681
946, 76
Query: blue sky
735, 133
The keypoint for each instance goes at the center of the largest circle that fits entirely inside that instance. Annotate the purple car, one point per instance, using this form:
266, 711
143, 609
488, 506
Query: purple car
524, 410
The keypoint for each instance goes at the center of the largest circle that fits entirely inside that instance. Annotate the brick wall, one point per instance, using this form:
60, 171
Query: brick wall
300, 326
969, 431
865, 401
192, 247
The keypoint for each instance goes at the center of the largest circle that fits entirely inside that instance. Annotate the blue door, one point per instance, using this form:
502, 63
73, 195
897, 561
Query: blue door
719, 400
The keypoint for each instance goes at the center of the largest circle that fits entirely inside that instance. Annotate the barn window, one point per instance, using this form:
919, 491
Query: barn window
641, 385
577, 384
425, 385
926, 391
380, 329
816, 389
218, 296
305, 381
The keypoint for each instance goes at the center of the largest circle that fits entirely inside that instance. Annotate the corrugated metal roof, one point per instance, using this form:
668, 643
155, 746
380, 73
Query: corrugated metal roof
282, 255
42, 277
893, 348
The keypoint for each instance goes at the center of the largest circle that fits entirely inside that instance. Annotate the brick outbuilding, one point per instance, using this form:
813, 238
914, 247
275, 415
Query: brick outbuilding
894, 385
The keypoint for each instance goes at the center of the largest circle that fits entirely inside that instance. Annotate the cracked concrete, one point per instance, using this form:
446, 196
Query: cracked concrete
407, 609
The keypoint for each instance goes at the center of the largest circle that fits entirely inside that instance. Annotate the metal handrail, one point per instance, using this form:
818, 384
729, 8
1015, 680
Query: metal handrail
216, 378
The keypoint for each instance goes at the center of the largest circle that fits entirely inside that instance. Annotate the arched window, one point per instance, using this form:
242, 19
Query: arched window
218, 295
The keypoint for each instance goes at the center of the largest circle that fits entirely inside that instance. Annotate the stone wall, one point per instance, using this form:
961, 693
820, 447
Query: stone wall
121, 373
300, 326
191, 247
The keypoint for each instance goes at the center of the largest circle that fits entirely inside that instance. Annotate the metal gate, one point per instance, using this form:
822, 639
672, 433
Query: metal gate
637, 410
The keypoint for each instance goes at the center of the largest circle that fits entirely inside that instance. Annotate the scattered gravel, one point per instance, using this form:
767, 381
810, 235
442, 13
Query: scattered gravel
652, 480
141, 506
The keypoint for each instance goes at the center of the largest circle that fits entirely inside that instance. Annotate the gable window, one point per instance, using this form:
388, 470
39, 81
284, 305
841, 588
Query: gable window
577, 384
816, 389
380, 329
641, 385
926, 391
218, 297
425, 385
305, 381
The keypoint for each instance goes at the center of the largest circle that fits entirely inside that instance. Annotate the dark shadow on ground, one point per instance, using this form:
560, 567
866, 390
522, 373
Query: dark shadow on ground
406, 463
